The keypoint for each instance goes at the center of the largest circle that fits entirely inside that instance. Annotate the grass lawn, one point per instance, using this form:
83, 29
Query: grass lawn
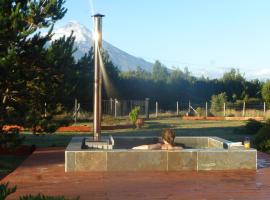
230, 130
8, 163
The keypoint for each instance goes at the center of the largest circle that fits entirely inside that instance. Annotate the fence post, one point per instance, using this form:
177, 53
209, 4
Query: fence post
111, 106
264, 109
78, 110
206, 109
75, 110
115, 107
224, 109
244, 109
156, 109
147, 108
177, 108
45, 111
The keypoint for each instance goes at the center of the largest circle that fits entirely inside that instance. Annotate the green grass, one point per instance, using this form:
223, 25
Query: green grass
8, 163
230, 130
49, 140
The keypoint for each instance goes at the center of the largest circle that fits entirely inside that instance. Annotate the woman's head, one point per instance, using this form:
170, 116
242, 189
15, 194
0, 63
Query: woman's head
168, 135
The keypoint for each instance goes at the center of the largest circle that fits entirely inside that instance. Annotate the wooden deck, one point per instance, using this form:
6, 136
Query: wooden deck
43, 172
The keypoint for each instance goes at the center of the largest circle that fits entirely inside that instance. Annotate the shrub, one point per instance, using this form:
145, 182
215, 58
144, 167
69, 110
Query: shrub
133, 115
262, 138
50, 125
253, 126
5, 190
266, 92
12, 128
199, 111
11, 140
217, 102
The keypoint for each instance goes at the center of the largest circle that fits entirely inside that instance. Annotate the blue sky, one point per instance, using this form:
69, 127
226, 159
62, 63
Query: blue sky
213, 35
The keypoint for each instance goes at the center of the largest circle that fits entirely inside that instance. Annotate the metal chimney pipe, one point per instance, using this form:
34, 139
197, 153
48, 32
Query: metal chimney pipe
97, 75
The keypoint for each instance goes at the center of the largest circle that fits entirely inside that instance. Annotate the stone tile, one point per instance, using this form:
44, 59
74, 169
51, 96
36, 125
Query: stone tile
91, 161
188, 142
137, 161
212, 143
226, 160
179, 161
75, 144
69, 161
193, 142
202, 142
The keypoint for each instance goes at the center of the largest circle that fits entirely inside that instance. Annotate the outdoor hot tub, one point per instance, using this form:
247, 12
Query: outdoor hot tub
200, 153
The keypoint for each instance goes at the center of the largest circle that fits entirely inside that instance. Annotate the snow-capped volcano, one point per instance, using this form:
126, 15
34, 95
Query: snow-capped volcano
81, 33
83, 43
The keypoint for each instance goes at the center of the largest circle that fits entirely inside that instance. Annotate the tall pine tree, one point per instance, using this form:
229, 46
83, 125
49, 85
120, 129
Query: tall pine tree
22, 53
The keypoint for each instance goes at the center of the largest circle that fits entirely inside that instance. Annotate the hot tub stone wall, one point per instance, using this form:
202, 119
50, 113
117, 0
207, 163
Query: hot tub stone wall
227, 160
159, 160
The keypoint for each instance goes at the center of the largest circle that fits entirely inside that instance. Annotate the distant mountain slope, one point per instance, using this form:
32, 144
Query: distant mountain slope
83, 42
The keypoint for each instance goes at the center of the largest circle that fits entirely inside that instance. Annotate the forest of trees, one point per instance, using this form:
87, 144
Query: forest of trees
162, 85
36, 71
169, 86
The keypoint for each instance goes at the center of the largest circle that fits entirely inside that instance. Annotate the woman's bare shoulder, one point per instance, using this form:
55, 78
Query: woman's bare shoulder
155, 146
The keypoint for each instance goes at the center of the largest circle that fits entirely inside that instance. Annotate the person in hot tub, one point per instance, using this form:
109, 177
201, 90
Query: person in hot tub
167, 142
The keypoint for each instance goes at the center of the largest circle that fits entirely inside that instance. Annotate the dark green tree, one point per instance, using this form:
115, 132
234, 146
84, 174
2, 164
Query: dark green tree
85, 79
110, 78
217, 102
54, 84
160, 72
22, 52
266, 92
234, 84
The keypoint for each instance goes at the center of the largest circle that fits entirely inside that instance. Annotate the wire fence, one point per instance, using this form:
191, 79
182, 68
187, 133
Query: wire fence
121, 108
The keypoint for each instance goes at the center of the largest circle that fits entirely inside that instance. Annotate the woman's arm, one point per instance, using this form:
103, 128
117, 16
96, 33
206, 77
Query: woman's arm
149, 146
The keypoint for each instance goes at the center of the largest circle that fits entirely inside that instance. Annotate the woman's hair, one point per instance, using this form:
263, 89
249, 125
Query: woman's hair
168, 135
